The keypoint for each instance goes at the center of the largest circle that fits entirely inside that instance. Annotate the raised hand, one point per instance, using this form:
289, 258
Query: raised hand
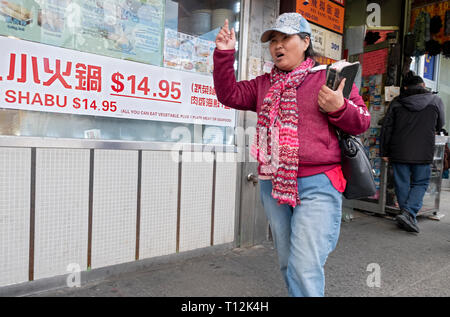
226, 39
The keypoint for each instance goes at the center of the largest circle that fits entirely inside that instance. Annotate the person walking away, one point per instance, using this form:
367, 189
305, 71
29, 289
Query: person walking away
407, 141
445, 173
300, 175
446, 162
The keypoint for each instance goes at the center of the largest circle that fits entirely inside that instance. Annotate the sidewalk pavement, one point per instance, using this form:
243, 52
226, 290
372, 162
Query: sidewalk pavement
410, 265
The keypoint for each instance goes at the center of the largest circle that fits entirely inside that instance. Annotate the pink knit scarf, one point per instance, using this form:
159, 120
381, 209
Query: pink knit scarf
276, 145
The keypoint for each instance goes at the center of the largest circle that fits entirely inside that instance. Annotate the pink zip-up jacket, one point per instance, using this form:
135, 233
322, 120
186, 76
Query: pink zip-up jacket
319, 147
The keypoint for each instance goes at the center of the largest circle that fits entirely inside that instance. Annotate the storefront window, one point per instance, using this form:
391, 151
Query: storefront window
435, 73
427, 67
116, 70
444, 88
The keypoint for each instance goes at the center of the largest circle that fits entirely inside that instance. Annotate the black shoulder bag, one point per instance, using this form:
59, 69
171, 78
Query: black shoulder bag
356, 167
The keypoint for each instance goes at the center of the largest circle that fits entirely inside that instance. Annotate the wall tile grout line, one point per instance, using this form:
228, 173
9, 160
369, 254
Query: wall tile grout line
213, 200
180, 167
32, 213
91, 206
138, 207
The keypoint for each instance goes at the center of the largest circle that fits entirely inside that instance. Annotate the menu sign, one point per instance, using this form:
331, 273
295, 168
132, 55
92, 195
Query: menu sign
39, 77
126, 29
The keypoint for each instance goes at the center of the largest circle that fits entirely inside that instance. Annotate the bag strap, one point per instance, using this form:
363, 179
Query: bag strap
340, 134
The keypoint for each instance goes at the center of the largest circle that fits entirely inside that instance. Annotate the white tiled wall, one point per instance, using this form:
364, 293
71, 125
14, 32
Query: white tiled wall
61, 208
62, 198
196, 200
159, 190
114, 207
225, 200
14, 215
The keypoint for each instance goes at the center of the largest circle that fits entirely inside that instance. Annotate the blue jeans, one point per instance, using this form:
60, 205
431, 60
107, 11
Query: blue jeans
411, 182
304, 236
445, 174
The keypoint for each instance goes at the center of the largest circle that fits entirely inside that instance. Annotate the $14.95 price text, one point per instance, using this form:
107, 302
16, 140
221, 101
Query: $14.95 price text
58, 101
134, 86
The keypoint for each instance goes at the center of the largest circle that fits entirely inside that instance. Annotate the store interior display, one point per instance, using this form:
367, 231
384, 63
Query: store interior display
446, 49
219, 15
200, 21
447, 22
168, 33
202, 18
373, 93
378, 90
177, 34
435, 24
190, 34
129, 30
430, 25
394, 60
16, 13
372, 37
410, 44
433, 48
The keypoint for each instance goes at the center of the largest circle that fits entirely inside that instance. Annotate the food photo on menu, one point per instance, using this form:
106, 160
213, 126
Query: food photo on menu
130, 30
188, 52
15, 13
171, 49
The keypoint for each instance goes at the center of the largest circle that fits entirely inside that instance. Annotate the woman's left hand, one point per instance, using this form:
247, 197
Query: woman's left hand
330, 100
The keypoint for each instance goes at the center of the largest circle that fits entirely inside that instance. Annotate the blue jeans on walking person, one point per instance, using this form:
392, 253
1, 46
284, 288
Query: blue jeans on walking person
304, 236
411, 182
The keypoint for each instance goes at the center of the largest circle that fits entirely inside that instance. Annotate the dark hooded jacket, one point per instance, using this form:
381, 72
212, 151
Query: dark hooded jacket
410, 125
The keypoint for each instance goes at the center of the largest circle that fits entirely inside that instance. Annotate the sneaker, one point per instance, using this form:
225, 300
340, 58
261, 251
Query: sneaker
407, 222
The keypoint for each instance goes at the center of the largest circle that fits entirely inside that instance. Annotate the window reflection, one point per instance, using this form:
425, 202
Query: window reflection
190, 31
167, 33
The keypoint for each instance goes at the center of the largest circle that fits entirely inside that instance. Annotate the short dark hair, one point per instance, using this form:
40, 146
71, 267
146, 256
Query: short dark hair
411, 79
310, 50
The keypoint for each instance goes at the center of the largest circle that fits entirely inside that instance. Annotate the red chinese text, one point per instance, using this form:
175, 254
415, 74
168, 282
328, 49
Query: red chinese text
89, 77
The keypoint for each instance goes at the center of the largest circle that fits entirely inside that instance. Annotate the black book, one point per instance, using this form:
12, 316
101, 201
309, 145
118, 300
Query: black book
340, 70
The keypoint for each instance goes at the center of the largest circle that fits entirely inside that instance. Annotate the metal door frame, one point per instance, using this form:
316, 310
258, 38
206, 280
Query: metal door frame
251, 226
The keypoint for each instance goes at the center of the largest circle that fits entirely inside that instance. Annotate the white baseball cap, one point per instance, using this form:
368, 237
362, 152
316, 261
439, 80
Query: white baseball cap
288, 23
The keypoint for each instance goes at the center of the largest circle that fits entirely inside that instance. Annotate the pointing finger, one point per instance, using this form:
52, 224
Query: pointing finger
226, 27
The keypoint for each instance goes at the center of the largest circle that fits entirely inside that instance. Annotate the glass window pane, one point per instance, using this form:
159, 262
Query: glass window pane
178, 35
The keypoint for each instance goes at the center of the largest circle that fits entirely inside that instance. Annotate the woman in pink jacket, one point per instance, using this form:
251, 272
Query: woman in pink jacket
301, 180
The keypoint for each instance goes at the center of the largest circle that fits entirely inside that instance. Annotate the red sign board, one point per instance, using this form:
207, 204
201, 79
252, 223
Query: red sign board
39, 77
324, 13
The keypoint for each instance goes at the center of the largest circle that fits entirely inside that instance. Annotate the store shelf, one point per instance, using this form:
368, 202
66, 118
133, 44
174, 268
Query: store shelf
386, 199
